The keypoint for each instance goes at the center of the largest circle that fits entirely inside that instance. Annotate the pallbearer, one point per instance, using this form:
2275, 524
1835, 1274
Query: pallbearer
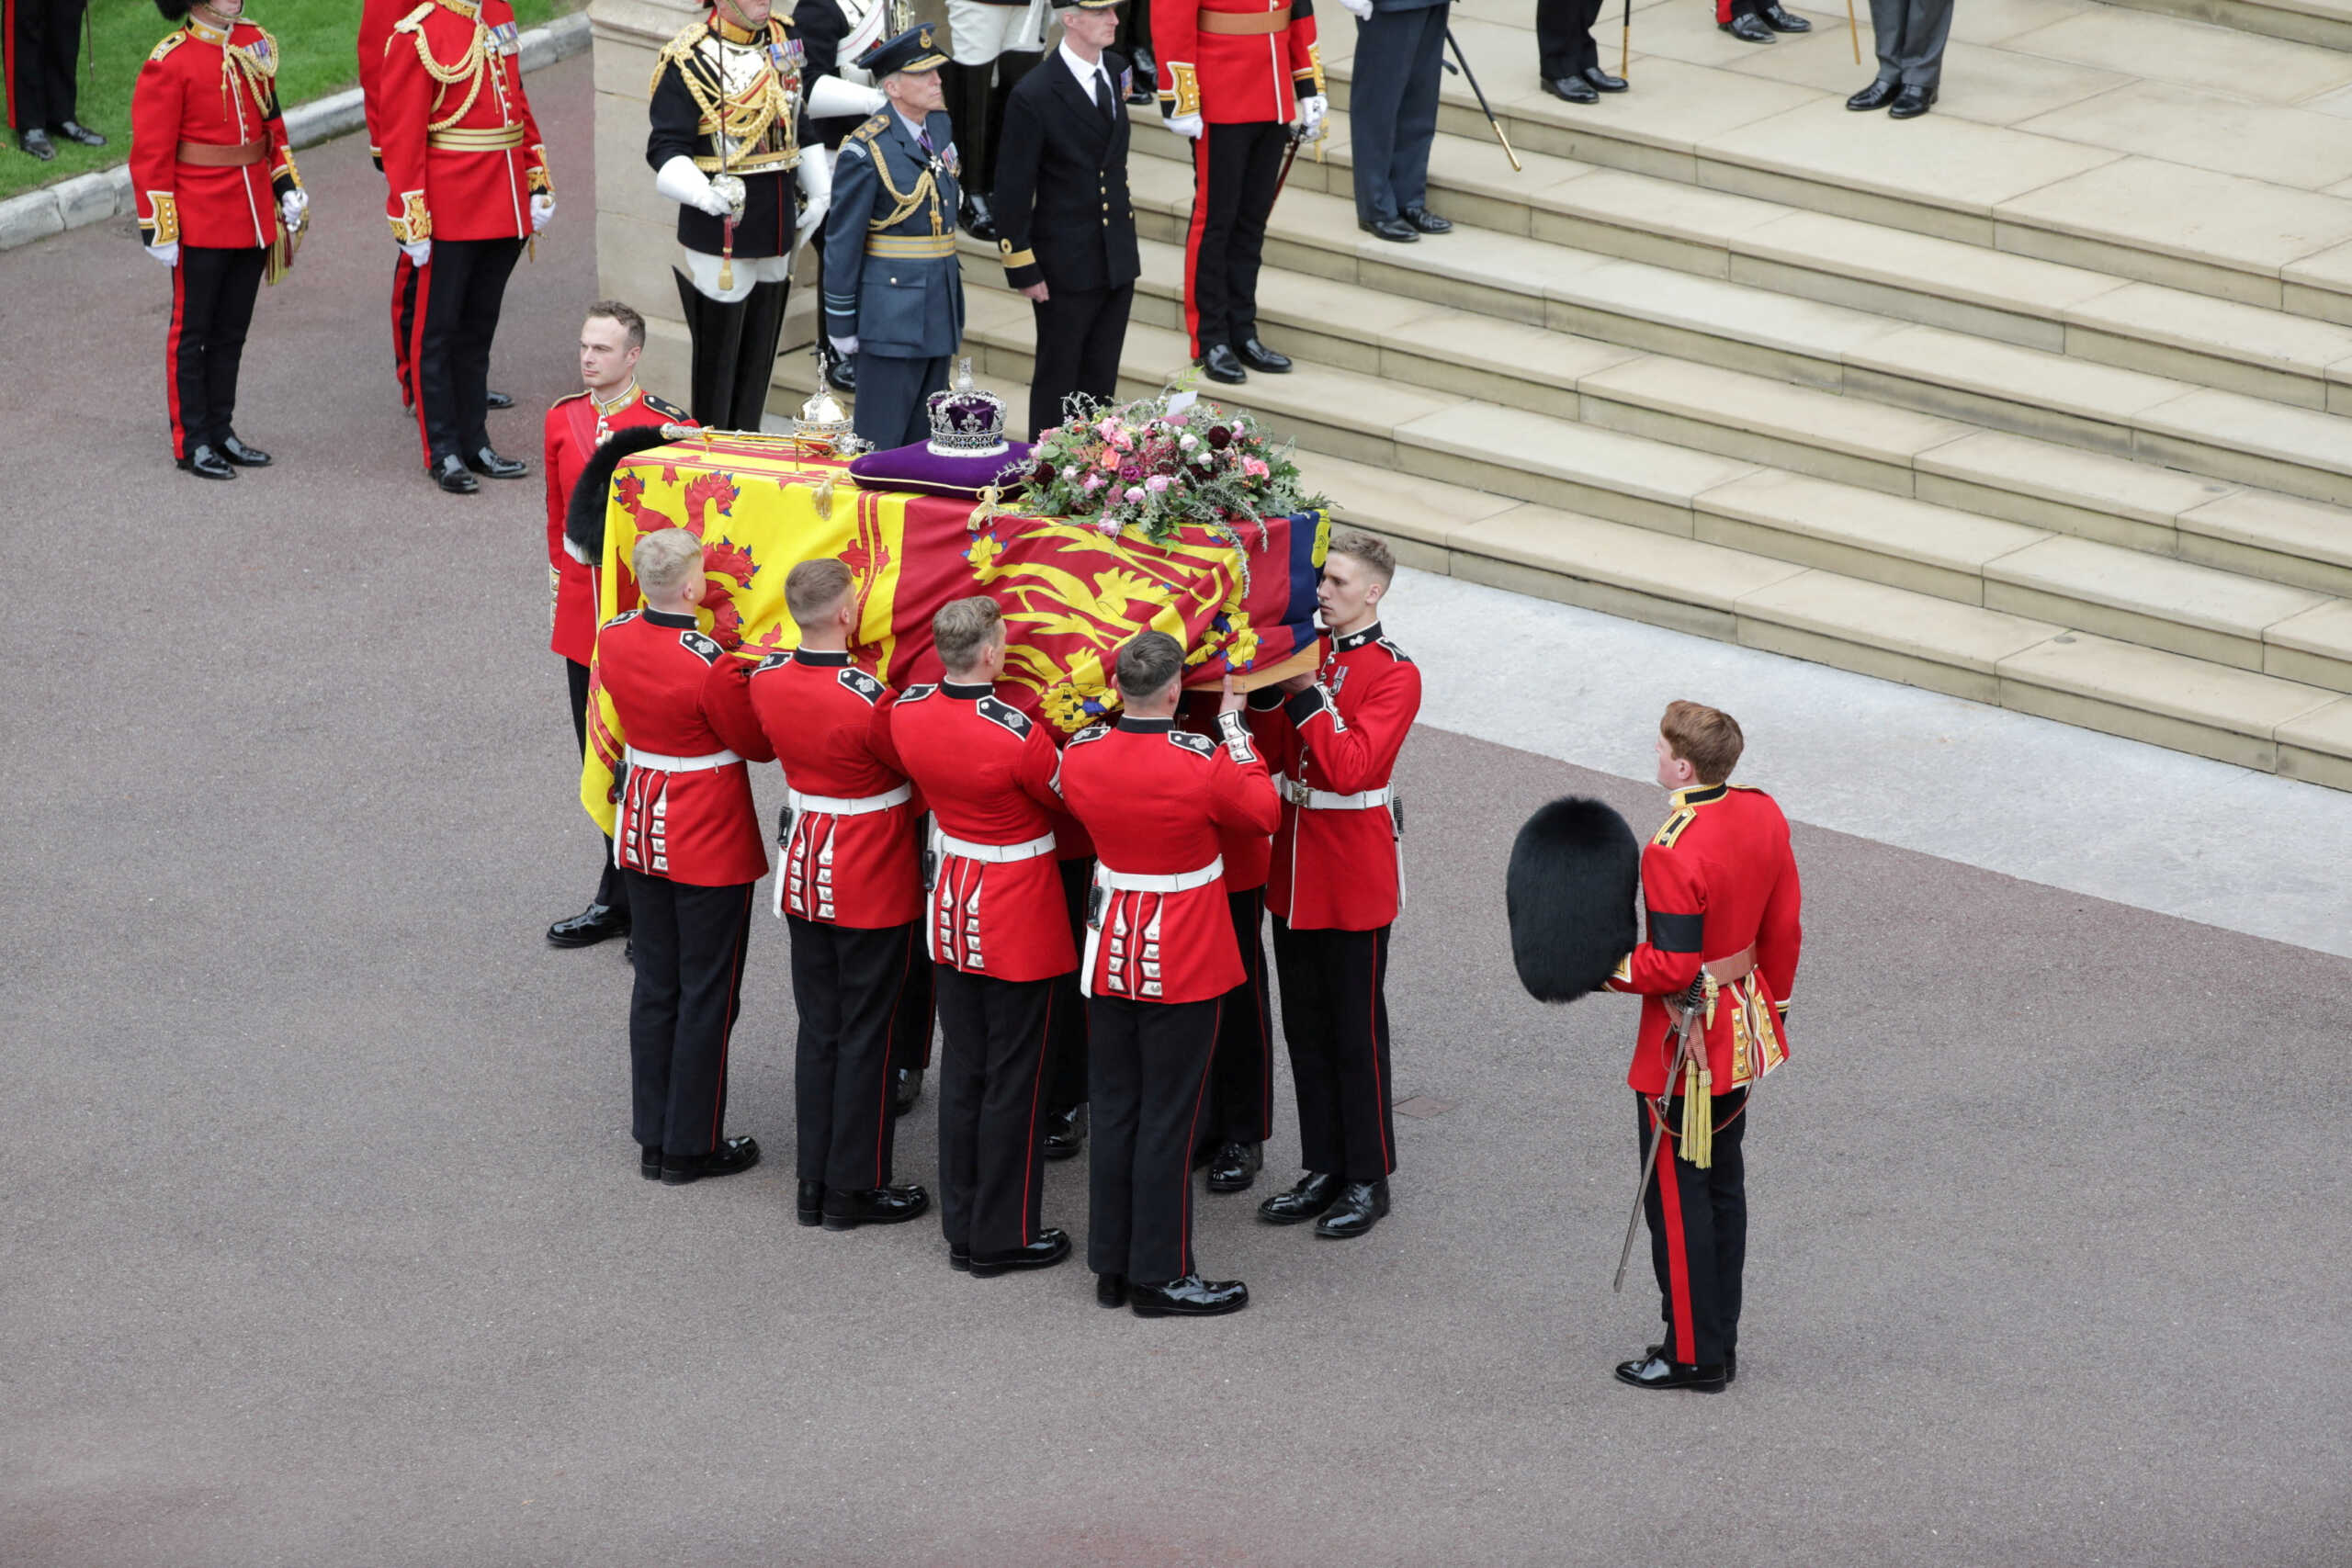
1241, 1083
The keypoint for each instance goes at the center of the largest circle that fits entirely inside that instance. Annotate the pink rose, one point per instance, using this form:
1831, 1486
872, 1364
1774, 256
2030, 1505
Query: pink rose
1255, 467
1109, 460
1134, 492
1093, 482
1157, 484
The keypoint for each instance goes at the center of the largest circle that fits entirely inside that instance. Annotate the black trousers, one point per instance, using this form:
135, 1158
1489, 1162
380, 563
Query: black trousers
1134, 37
611, 890
1335, 1018
1241, 1085
890, 410
846, 985
690, 945
991, 1108
1149, 1079
1563, 45
918, 1008
1068, 1083
459, 292
1236, 171
1080, 336
734, 351
212, 308
1392, 107
48, 34
1698, 1231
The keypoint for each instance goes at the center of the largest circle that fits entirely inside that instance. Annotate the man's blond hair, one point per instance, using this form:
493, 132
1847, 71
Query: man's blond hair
963, 629
665, 558
814, 587
1375, 555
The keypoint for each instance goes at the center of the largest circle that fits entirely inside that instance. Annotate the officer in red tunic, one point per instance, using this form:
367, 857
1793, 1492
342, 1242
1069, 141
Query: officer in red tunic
611, 340
1719, 885
1242, 1080
1233, 74
1159, 961
1336, 886
689, 846
849, 890
998, 935
217, 192
467, 183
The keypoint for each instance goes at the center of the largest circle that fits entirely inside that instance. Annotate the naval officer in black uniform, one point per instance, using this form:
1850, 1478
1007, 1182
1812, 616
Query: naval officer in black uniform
1063, 220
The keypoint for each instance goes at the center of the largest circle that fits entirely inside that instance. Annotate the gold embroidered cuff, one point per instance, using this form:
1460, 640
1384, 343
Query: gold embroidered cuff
1187, 92
165, 224
414, 222
536, 177
1313, 68
1014, 258
286, 166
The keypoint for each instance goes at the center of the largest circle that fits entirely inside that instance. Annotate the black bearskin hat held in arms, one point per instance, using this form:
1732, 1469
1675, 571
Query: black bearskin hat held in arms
173, 9
583, 516
1574, 870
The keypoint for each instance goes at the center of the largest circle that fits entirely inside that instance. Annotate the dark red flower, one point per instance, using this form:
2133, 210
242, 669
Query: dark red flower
1220, 438
1042, 474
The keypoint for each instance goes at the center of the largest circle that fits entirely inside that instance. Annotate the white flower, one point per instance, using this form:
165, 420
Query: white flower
1188, 442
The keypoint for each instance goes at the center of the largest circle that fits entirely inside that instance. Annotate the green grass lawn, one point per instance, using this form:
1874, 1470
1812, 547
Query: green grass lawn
319, 38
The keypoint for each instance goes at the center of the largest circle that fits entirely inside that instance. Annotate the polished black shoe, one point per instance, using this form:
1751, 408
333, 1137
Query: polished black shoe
874, 1206
489, 464
206, 463
1392, 229
1747, 27
733, 1157
1602, 82
497, 401
1911, 103
842, 375
1314, 1193
451, 474
906, 1088
1782, 21
1191, 1296
1235, 1166
1427, 222
1360, 1206
1258, 357
1731, 1360
1065, 1132
36, 143
597, 922
959, 1258
1572, 89
811, 1208
977, 221
1050, 1247
1219, 363
1877, 95
244, 457
649, 1163
74, 130
1656, 1372
1111, 1290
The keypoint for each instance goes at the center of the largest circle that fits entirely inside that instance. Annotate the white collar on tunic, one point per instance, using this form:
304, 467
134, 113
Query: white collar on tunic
1082, 71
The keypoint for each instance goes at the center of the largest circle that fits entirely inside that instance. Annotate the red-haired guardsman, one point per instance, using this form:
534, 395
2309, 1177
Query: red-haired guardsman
220, 202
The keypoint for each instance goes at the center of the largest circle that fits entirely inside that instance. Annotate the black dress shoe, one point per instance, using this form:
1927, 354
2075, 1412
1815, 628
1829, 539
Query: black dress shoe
497, 401
1911, 103
906, 1088
1359, 1207
649, 1163
1111, 1290
206, 463
1235, 1166
74, 130
842, 375
1731, 1360
1050, 1247
1191, 1296
1602, 80
1782, 21
489, 464
733, 1157
1656, 1372
1258, 357
244, 457
1314, 1193
1065, 1132
1392, 229
810, 1209
1219, 363
1746, 26
1427, 222
451, 474
979, 222
874, 1206
36, 143
1572, 89
597, 922
1877, 95
959, 1258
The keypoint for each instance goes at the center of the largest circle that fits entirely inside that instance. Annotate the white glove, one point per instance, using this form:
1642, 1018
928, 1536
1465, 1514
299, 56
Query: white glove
542, 211
1311, 110
815, 179
168, 252
291, 206
419, 252
844, 346
1186, 125
830, 97
1360, 9
688, 186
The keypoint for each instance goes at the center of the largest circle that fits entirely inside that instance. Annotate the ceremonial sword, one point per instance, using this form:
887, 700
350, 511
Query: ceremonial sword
1658, 1131
1463, 72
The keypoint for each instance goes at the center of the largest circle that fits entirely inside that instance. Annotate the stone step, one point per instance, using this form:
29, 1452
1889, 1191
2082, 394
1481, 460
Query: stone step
2327, 23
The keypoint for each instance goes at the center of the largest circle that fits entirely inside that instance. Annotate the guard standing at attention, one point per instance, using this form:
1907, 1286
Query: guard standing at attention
847, 886
1392, 114
37, 40
1233, 74
998, 937
689, 845
1160, 960
1720, 889
1337, 886
894, 291
834, 33
1064, 223
467, 183
220, 202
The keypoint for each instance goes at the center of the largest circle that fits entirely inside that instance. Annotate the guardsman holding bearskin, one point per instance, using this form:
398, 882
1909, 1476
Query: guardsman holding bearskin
467, 184
1336, 886
998, 936
1720, 888
846, 883
220, 203
1159, 961
1233, 74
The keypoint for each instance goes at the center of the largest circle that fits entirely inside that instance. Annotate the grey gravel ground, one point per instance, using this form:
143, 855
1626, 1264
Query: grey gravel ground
324, 1242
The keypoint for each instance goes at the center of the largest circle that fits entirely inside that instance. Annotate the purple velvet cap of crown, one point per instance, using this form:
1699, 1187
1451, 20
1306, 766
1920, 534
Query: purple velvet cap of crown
919, 468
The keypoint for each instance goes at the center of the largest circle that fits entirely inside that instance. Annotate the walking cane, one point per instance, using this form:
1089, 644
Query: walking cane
1852, 31
1625, 68
1649, 1160
1480, 93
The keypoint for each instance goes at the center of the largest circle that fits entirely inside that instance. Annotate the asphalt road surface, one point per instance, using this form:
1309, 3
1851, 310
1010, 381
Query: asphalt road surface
322, 1240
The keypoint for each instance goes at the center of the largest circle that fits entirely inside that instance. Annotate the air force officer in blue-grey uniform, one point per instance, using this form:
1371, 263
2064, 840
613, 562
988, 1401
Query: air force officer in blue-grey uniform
1392, 113
894, 292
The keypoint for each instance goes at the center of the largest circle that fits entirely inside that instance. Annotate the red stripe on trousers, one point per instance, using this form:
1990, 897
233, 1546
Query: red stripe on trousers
8, 59
1677, 1259
172, 356
417, 353
403, 322
1192, 238
726, 1029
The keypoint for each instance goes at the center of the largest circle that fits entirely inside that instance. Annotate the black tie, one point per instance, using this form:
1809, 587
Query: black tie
1102, 95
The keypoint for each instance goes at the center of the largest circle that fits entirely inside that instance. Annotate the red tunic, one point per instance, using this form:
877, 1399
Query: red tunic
681, 697
1157, 799
1336, 868
376, 19
462, 155
1236, 77
1247, 850
830, 723
576, 425
1716, 879
988, 771
216, 90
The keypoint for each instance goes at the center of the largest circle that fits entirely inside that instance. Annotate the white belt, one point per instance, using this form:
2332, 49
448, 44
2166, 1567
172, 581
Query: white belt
996, 854
1182, 882
841, 805
659, 763
1324, 800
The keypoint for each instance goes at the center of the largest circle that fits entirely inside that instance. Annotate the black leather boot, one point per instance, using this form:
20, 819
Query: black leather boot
1191, 1296
244, 457
597, 922
874, 1206
906, 1088
1050, 1247
1359, 1207
1656, 1372
732, 1157
1731, 1360
1234, 1167
1065, 1132
1314, 1193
